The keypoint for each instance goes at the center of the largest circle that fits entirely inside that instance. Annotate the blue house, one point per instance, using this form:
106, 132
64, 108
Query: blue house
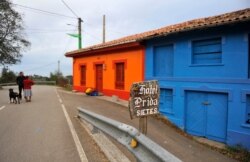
203, 68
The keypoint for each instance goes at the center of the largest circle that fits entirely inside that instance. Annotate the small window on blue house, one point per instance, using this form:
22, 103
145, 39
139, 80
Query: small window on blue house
207, 51
248, 56
166, 101
163, 61
248, 110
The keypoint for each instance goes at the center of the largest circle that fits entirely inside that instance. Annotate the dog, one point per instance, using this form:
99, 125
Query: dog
14, 97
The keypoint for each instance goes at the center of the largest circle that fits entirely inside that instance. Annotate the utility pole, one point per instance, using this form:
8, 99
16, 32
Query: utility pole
58, 67
104, 29
80, 33
79, 26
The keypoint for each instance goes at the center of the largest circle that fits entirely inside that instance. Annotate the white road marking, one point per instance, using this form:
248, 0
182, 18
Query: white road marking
1, 108
75, 137
73, 132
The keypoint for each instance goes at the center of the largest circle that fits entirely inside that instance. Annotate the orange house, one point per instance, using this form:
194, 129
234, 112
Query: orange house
109, 68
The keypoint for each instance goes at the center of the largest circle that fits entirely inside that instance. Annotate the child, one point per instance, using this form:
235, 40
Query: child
27, 83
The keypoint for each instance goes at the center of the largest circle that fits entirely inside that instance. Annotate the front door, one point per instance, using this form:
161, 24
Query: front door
99, 77
206, 115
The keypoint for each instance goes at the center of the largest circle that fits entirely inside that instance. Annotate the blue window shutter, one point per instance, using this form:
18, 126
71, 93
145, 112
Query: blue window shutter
248, 110
166, 101
207, 51
163, 61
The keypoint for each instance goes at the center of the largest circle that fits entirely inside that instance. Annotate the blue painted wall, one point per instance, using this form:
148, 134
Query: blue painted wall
229, 77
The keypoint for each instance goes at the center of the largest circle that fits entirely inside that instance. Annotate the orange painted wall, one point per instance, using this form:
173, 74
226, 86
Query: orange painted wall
134, 70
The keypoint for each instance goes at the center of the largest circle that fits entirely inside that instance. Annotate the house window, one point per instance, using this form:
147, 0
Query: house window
248, 56
248, 110
163, 61
119, 75
166, 101
83, 75
207, 51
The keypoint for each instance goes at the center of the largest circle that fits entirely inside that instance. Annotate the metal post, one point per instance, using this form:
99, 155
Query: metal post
143, 124
58, 67
104, 29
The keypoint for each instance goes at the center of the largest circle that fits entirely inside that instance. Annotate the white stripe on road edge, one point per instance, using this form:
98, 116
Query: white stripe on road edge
75, 137
73, 132
1, 108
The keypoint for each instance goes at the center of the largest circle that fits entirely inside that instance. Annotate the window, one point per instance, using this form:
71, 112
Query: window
166, 101
248, 110
119, 75
83, 75
248, 56
207, 51
163, 61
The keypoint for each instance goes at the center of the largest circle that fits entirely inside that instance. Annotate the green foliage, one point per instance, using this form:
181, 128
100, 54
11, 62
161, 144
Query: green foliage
7, 76
12, 41
59, 78
40, 78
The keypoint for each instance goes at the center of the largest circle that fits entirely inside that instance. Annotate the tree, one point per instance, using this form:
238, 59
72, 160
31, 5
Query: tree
59, 78
12, 41
7, 76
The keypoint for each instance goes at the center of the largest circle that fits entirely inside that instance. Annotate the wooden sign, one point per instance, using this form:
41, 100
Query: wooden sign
144, 99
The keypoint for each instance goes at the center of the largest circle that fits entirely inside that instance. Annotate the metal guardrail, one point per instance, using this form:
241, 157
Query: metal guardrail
145, 151
7, 84
36, 82
45, 82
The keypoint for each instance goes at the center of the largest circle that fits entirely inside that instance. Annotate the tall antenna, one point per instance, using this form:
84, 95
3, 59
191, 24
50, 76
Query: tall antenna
58, 67
104, 29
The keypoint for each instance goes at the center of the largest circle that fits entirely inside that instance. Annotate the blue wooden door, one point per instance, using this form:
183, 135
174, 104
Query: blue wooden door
206, 115
216, 116
163, 61
195, 113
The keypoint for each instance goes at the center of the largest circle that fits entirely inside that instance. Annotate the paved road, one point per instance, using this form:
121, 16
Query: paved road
38, 130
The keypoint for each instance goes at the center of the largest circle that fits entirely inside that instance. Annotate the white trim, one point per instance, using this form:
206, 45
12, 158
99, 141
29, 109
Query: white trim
1, 108
80, 150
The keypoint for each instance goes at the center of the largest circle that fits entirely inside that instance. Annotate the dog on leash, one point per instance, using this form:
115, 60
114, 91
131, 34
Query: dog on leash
14, 97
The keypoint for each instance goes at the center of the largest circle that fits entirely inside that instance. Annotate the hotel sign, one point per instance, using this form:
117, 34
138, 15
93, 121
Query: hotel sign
144, 99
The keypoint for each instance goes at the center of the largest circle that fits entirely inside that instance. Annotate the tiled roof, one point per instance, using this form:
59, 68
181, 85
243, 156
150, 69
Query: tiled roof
224, 19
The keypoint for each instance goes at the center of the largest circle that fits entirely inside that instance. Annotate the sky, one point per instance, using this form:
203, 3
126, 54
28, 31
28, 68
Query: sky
48, 33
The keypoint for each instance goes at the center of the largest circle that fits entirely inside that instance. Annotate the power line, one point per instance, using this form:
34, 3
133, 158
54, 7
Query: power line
70, 9
43, 11
44, 31
47, 29
41, 32
50, 30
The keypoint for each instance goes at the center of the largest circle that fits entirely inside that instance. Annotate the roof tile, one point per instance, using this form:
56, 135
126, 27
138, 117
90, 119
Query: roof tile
228, 18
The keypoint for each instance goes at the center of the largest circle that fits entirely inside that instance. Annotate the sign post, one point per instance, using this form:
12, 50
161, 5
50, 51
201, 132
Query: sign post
144, 101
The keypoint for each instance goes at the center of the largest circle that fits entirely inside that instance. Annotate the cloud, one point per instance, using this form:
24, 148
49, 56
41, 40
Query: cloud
124, 17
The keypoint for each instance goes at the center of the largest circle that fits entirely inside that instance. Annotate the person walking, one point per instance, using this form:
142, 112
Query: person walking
19, 82
27, 83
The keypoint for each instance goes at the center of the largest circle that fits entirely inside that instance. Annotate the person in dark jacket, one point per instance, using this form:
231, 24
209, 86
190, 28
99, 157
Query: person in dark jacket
19, 82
